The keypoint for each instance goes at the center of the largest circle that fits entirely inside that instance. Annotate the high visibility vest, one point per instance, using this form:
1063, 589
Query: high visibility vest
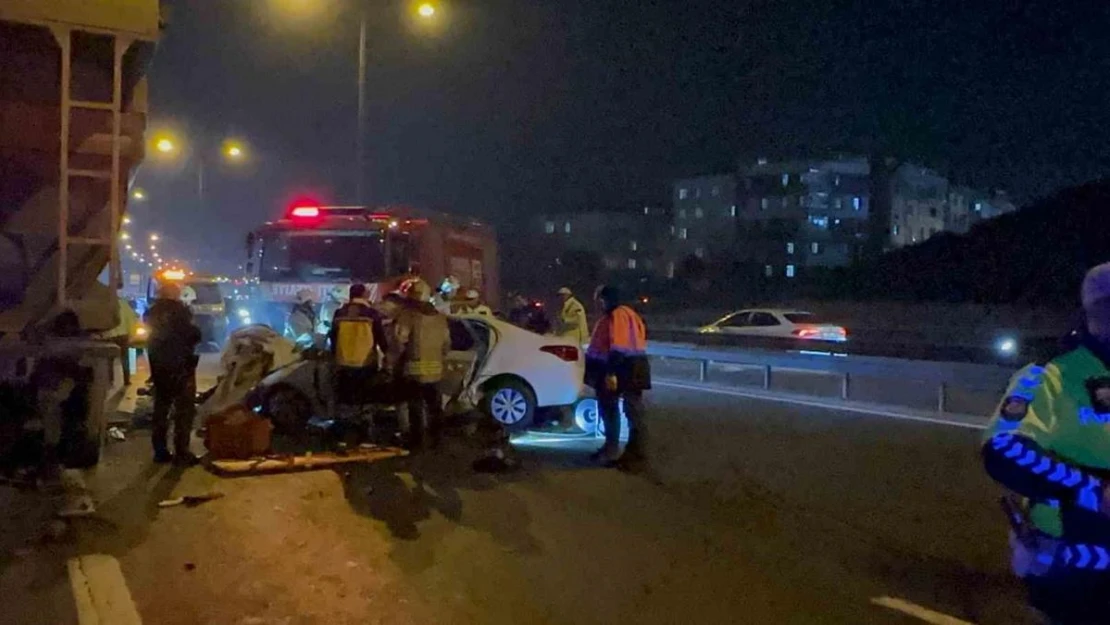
354, 342
620, 331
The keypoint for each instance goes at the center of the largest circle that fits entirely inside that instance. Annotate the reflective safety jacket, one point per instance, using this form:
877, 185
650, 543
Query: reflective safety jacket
421, 341
1049, 441
618, 347
572, 321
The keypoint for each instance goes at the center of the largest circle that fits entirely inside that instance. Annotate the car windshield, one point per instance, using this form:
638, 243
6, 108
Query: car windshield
207, 293
324, 257
804, 317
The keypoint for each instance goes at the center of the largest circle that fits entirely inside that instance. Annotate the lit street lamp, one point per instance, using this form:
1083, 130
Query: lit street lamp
424, 11
138, 195
164, 145
153, 236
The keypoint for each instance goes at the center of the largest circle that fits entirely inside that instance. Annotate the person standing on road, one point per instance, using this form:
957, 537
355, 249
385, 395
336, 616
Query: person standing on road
1049, 442
418, 352
572, 319
617, 367
357, 340
473, 305
121, 336
173, 363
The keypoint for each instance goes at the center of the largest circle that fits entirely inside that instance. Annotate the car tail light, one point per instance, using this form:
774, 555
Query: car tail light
568, 353
806, 333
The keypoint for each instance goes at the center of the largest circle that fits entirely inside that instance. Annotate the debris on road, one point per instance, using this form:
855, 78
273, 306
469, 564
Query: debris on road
306, 462
189, 501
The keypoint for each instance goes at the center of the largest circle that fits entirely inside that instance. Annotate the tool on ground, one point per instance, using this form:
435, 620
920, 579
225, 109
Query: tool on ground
189, 501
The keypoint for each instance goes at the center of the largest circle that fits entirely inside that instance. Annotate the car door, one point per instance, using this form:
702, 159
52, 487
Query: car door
736, 323
460, 361
766, 323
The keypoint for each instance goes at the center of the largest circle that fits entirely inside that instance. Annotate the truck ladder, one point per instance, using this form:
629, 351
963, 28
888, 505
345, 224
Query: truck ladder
120, 43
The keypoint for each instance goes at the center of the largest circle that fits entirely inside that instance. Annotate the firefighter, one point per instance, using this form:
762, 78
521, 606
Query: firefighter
617, 368
473, 305
572, 318
418, 351
173, 340
1049, 442
357, 340
302, 319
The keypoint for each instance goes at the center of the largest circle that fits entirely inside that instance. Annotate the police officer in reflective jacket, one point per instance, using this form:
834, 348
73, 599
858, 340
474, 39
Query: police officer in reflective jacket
1049, 443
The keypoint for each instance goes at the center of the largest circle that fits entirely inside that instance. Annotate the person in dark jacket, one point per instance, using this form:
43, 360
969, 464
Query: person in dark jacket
352, 383
173, 363
617, 368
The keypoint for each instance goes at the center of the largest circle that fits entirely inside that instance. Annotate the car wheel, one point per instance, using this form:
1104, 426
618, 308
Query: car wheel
587, 417
510, 403
287, 409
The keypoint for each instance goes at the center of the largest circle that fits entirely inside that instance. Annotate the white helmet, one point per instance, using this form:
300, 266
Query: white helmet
473, 294
188, 295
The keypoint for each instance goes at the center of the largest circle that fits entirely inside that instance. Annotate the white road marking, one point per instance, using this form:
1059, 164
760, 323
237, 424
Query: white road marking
100, 591
918, 612
827, 406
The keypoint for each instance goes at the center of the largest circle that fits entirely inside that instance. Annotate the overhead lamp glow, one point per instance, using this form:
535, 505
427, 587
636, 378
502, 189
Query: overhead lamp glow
426, 10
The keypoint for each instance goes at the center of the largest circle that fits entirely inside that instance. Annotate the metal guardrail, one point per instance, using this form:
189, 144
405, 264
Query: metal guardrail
879, 343
944, 375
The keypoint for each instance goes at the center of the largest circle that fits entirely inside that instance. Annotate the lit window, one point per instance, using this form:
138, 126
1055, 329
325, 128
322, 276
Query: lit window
683, 233
769, 270
815, 248
700, 252
820, 221
634, 246
790, 271
790, 247
683, 194
566, 227
549, 227
716, 191
670, 269
764, 203
682, 213
647, 210
978, 207
785, 179
699, 213
631, 263
836, 181
672, 229
733, 210
856, 203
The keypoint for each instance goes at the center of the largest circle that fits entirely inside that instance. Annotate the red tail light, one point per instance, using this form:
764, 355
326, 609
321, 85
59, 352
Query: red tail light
806, 333
568, 353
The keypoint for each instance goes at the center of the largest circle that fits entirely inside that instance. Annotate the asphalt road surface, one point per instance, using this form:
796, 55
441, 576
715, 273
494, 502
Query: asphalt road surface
759, 512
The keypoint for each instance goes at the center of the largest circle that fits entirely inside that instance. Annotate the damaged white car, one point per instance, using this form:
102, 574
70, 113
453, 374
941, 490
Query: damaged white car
506, 372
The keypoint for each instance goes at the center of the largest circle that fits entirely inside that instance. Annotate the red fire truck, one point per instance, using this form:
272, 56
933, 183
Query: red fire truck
326, 248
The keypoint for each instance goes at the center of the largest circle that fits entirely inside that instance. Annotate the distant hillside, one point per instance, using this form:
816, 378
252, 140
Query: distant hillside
1037, 255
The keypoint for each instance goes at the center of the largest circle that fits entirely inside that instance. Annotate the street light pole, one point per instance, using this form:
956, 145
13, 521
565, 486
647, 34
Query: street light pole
360, 157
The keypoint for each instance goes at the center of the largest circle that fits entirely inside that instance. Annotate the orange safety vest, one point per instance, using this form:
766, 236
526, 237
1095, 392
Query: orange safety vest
621, 331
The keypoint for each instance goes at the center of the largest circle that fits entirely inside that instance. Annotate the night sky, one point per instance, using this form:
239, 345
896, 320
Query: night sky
513, 108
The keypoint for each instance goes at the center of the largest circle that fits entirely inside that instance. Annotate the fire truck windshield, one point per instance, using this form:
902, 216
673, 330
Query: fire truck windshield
321, 256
